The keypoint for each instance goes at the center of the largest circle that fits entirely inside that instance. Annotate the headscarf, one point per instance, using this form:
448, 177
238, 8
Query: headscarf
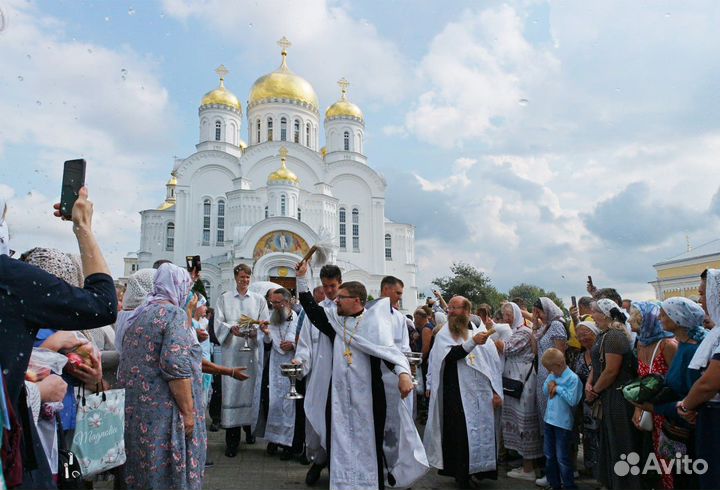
552, 311
711, 343
606, 307
171, 284
686, 314
518, 319
4, 231
651, 330
590, 326
58, 263
139, 285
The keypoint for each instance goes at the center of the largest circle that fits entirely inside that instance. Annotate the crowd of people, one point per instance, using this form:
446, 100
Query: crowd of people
525, 389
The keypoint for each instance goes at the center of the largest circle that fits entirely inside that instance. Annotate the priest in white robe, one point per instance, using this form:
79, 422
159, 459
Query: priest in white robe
307, 352
239, 398
465, 384
276, 417
349, 391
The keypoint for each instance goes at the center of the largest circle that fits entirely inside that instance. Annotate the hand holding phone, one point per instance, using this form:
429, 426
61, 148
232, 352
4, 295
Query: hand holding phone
193, 263
73, 180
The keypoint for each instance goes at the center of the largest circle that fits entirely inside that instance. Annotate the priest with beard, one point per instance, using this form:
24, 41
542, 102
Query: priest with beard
276, 418
465, 384
349, 403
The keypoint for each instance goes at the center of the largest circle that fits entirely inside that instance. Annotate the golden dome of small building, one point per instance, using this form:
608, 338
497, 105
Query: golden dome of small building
221, 95
170, 196
283, 85
283, 175
343, 107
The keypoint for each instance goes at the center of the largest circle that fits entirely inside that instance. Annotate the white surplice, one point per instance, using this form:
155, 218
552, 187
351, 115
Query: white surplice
280, 424
479, 375
239, 397
353, 456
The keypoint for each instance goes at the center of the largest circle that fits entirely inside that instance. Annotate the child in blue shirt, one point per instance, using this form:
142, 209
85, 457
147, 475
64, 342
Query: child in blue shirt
564, 391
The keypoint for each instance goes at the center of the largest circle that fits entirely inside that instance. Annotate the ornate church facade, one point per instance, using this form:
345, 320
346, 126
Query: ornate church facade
265, 202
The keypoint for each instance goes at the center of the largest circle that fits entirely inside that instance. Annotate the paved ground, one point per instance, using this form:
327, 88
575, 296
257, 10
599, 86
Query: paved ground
252, 468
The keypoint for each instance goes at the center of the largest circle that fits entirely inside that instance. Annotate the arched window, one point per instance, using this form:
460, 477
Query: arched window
283, 129
170, 237
296, 131
207, 207
307, 135
388, 247
270, 128
299, 214
257, 130
208, 289
343, 230
283, 205
356, 229
218, 130
220, 222
346, 141
267, 213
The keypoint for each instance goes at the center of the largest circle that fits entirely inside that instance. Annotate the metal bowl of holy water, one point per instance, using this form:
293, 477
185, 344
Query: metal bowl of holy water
293, 372
415, 359
245, 332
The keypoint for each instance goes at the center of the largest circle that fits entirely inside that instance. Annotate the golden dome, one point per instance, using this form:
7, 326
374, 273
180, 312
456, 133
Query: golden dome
170, 199
343, 107
283, 84
283, 174
221, 95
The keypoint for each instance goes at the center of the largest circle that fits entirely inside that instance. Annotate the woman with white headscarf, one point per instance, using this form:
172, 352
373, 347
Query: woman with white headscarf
520, 428
549, 325
139, 286
160, 369
612, 367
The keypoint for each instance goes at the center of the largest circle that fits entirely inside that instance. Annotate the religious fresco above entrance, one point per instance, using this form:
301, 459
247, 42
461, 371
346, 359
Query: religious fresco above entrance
280, 241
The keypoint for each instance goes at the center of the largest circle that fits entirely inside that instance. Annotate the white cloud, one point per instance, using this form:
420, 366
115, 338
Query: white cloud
66, 99
479, 70
457, 178
328, 43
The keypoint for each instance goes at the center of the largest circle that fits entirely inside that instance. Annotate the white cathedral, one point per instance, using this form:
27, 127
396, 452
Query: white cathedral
265, 202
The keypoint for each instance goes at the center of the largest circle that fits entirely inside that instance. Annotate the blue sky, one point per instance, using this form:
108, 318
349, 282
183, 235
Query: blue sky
540, 141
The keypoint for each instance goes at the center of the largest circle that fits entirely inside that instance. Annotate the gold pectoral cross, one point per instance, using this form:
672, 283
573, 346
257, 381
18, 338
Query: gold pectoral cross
348, 355
472, 359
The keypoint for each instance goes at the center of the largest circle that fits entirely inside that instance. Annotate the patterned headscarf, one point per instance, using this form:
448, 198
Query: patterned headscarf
4, 232
590, 325
139, 285
552, 311
606, 307
58, 263
686, 314
518, 319
651, 329
171, 284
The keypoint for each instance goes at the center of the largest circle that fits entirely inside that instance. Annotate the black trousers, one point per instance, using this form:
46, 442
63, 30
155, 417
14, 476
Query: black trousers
234, 435
215, 405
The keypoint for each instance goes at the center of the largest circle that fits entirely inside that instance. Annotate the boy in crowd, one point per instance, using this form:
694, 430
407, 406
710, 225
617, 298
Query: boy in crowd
564, 391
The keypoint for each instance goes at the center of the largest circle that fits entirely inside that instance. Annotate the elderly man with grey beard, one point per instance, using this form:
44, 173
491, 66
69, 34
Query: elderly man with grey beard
276, 417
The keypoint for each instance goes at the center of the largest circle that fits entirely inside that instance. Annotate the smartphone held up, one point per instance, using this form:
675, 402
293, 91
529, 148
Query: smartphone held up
72, 181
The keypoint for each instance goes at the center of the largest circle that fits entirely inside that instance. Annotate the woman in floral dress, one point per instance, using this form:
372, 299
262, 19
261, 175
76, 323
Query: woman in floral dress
160, 369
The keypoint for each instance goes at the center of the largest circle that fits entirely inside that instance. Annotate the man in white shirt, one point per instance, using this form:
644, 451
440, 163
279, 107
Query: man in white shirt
238, 397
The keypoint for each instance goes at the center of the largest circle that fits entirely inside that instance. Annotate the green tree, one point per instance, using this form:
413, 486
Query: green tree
467, 281
530, 294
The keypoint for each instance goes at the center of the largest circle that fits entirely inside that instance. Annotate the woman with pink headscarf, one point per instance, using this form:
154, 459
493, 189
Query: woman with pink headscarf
160, 369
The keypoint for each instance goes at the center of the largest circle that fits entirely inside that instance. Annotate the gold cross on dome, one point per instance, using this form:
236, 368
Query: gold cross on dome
343, 84
221, 71
283, 152
284, 44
